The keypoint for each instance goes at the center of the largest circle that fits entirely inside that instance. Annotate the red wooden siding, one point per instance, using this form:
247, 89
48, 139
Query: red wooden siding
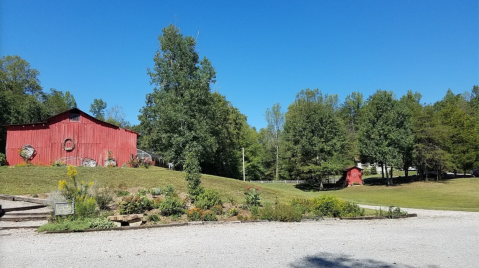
353, 174
92, 138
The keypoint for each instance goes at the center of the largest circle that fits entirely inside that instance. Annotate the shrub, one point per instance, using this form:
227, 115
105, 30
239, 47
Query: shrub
209, 216
366, 172
303, 205
154, 218
134, 204
169, 191
103, 197
193, 176
218, 209
330, 206
155, 191
254, 212
195, 214
208, 199
242, 217
85, 207
233, 212
3, 159
280, 212
101, 223
171, 206
253, 197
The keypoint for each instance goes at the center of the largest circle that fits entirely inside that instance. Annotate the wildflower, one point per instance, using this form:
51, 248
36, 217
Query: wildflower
247, 187
72, 172
62, 184
90, 183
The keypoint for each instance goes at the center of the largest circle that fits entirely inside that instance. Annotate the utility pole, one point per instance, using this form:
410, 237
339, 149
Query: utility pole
244, 177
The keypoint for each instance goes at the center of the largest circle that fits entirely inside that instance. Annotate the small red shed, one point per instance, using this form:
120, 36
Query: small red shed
72, 135
352, 175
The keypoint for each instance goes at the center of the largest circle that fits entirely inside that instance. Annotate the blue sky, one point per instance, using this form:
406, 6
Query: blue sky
264, 52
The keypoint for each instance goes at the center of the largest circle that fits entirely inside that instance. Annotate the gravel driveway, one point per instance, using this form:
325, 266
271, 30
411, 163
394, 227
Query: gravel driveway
433, 239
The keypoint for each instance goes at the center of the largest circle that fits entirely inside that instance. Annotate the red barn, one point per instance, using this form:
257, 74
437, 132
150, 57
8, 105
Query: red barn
352, 175
71, 136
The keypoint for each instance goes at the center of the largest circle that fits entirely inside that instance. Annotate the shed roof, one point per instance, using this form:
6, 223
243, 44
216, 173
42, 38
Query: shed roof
351, 167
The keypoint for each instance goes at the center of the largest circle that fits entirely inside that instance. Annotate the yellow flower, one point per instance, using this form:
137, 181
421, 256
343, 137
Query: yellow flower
62, 184
72, 172
90, 183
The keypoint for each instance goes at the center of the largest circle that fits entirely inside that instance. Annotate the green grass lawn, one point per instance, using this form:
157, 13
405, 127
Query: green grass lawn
454, 194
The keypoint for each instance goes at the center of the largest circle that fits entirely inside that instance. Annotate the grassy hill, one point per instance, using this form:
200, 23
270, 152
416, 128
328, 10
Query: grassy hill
454, 194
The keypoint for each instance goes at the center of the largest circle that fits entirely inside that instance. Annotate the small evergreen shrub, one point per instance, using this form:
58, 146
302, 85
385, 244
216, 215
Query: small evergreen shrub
169, 191
171, 206
330, 206
208, 199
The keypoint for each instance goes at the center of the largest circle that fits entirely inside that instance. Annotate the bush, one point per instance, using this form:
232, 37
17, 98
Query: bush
169, 191
366, 172
101, 223
233, 212
193, 176
254, 212
209, 216
103, 197
121, 193
155, 191
303, 205
253, 197
280, 212
208, 199
195, 214
85, 207
171, 206
77, 225
3, 159
134, 204
330, 206
218, 209
154, 218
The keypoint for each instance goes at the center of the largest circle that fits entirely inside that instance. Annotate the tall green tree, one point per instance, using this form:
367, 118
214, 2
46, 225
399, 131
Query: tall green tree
182, 115
275, 119
97, 109
21, 96
56, 102
350, 112
314, 136
385, 131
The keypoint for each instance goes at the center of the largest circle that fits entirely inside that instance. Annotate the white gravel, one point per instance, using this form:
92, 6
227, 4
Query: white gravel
433, 239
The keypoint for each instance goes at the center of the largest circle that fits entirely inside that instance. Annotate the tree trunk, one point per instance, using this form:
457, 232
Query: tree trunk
391, 176
277, 161
321, 187
382, 170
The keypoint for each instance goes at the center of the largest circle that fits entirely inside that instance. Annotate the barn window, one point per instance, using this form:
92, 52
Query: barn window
74, 117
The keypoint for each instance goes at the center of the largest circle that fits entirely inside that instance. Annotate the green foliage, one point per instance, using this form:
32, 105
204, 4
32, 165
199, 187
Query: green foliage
314, 136
254, 212
134, 204
374, 170
121, 193
154, 218
252, 197
57, 102
85, 207
97, 109
208, 199
209, 216
217, 209
171, 206
155, 191
280, 212
169, 191
195, 214
233, 212
3, 160
330, 206
77, 225
103, 197
193, 176
302, 205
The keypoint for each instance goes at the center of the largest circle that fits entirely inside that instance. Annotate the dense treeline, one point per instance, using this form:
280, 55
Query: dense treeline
316, 137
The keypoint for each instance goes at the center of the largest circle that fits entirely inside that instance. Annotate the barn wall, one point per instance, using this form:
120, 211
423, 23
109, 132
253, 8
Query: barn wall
92, 139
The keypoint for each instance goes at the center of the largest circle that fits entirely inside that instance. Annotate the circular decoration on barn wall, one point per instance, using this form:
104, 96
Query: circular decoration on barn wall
68, 144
